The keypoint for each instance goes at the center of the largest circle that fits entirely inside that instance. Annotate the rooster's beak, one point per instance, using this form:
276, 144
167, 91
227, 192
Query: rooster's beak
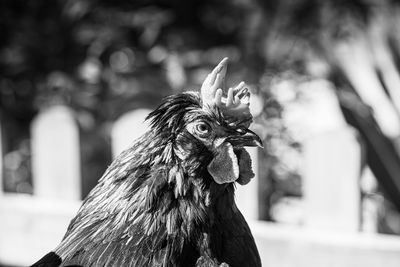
248, 139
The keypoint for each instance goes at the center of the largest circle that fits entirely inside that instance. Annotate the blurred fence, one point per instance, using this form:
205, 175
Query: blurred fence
330, 235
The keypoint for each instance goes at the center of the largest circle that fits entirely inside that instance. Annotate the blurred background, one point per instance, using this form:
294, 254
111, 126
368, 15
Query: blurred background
75, 77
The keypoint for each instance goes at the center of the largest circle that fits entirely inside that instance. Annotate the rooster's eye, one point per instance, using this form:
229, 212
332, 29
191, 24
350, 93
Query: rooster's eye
203, 129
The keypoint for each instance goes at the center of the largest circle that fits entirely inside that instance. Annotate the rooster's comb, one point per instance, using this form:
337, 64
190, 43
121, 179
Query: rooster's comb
234, 104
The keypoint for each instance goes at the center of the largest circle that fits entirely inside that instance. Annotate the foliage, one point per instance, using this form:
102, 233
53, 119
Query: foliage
104, 57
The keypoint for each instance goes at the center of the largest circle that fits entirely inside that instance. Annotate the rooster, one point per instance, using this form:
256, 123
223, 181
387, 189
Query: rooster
168, 200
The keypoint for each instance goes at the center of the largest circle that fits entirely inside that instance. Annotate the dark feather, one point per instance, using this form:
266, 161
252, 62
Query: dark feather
154, 208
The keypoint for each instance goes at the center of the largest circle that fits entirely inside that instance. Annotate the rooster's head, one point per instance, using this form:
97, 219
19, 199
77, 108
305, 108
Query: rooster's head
211, 126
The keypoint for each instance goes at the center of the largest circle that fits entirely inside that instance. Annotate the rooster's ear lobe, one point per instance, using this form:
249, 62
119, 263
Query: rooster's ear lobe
224, 167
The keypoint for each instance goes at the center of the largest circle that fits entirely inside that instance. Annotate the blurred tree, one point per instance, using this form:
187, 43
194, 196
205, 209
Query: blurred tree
103, 57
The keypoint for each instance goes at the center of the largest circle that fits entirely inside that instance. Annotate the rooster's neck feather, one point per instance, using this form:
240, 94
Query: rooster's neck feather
150, 199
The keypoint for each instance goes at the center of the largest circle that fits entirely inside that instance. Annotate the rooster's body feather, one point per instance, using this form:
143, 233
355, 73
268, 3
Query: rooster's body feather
158, 205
